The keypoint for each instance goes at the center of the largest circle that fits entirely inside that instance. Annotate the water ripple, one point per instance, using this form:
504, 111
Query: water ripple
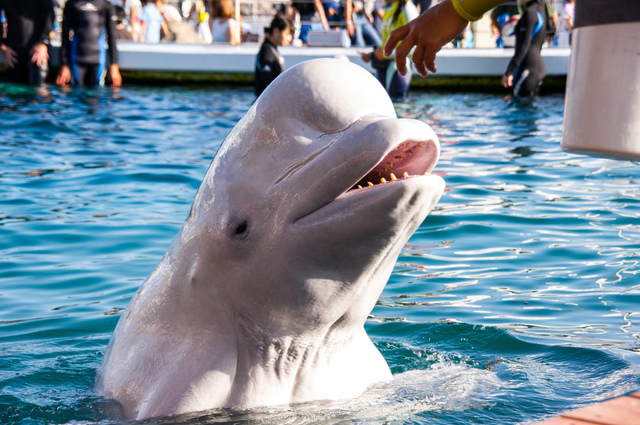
516, 299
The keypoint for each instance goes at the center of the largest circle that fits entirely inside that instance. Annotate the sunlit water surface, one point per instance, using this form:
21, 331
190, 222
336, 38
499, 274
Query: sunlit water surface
517, 299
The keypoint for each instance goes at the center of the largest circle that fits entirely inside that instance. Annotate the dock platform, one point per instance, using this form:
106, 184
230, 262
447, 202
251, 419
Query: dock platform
624, 410
221, 63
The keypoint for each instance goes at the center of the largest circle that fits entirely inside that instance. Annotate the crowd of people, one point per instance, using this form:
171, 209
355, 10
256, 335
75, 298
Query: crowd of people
90, 30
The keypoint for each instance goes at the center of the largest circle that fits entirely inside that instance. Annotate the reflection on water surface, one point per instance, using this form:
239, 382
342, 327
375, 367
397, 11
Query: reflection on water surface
515, 300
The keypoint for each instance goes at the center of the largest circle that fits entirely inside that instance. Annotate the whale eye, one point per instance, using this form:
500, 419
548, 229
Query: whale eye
241, 229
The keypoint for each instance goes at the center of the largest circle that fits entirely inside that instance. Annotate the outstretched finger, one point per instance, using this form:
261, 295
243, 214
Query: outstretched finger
430, 61
395, 36
418, 61
402, 51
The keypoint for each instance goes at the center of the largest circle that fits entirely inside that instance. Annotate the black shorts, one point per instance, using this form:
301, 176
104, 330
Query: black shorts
27, 72
88, 75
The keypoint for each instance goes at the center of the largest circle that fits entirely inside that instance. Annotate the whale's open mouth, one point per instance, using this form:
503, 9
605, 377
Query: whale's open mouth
408, 159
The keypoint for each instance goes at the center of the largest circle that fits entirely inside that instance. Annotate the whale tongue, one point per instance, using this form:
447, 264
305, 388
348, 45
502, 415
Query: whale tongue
410, 158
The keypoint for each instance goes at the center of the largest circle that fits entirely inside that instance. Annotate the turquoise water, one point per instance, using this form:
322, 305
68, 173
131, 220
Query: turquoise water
517, 298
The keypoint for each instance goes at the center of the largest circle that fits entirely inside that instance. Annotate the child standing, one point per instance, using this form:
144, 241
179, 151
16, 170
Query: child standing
269, 62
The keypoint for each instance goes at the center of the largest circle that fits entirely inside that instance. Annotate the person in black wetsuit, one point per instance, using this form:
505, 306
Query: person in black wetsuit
527, 69
269, 62
25, 49
85, 56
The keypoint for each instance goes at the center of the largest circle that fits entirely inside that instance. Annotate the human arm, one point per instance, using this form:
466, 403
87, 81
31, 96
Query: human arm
377, 53
323, 17
348, 17
114, 72
165, 28
39, 54
495, 25
431, 31
135, 11
567, 15
10, 56
64, 75
143, 30
110, 25
233, 33
64, 37
40, 50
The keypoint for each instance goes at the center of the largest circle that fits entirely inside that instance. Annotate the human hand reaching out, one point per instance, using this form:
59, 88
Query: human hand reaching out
10, 56
429, 32
39, 54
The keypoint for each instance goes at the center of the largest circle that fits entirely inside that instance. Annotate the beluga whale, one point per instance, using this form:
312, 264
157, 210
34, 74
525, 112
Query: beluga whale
262, 297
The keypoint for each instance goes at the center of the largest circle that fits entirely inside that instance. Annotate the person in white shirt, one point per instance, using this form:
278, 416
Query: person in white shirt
225, 28
563, 36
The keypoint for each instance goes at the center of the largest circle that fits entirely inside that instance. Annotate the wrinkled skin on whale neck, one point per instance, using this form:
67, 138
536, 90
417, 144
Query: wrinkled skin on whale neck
262, 297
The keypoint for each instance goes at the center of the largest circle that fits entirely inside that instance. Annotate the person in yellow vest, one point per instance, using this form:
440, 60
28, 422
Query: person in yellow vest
398, 13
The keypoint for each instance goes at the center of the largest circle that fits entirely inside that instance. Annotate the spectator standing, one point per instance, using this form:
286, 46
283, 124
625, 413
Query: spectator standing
339, 12
123, 32
152, 23
365, 33
204, 22
180, 30
169, 12
499, 16
397, 14
84, 57
132, 9
307, 10
25, 48
563, 39
269, 61
378, 13
225, 28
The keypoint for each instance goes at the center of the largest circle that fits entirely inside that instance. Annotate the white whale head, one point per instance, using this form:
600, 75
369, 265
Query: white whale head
290, 240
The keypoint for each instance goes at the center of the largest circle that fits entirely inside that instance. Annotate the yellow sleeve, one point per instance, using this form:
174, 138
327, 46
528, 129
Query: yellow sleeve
472, 10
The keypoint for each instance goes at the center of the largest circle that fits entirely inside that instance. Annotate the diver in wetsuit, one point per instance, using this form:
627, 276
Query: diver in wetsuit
25, 48
85, 56
269, 62
527, 69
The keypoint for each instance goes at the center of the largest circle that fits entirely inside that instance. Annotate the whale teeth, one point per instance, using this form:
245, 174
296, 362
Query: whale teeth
406, 175
393, 177
382, 180
359, 187
409, 152
370, 184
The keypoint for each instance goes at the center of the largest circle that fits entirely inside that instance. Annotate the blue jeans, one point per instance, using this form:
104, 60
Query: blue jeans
305, 28
365, 34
